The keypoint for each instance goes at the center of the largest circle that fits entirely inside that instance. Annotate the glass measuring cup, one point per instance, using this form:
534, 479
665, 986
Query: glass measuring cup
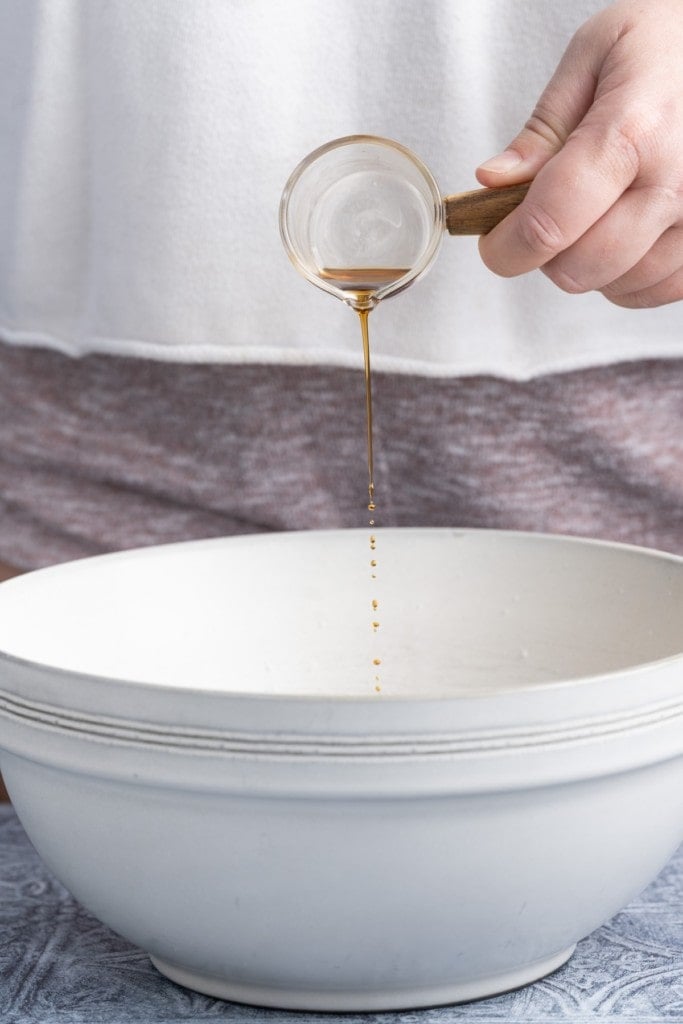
362, 218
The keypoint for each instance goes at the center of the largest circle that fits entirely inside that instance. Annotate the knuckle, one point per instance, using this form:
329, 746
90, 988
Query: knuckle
539, 232
564, 280
630, 300
628, 146
632, 138
615, 291
664, 202
544, 124
639, 139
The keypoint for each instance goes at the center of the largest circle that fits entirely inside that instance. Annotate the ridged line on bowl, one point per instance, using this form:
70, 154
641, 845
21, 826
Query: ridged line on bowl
272, 745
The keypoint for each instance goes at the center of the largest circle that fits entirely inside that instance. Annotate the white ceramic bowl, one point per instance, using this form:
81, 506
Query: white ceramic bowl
192, 739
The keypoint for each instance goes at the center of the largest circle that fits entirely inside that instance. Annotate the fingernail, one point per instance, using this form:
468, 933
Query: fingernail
502, 163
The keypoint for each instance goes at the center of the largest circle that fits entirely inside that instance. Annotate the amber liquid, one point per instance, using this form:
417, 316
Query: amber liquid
363, 315
365, 281
361, 284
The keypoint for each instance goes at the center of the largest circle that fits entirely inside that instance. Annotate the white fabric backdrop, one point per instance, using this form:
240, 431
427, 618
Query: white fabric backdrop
144, 146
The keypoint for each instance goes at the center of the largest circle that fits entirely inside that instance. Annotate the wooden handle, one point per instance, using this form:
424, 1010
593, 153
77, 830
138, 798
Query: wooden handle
477, 212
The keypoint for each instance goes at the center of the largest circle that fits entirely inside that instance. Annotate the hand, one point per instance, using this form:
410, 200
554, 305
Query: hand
604, 147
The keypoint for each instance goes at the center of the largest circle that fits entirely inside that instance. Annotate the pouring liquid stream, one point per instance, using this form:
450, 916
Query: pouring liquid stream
361, 284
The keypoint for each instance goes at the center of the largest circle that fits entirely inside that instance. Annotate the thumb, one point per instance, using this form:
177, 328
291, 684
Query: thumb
563, 105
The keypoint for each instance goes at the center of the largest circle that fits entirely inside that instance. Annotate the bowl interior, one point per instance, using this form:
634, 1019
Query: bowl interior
460, 612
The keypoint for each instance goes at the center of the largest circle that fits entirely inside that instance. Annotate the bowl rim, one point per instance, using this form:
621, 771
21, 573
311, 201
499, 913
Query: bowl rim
371, 698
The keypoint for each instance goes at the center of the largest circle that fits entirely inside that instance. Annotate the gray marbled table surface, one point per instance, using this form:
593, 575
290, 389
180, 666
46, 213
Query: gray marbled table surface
58, 965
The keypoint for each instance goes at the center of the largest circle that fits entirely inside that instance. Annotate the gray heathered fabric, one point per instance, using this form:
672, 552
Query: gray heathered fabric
105, 453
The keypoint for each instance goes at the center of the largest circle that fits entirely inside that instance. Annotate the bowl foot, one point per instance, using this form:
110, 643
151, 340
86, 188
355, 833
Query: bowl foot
362, 1001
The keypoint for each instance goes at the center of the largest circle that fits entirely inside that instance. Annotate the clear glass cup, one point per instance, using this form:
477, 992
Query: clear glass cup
362, 218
